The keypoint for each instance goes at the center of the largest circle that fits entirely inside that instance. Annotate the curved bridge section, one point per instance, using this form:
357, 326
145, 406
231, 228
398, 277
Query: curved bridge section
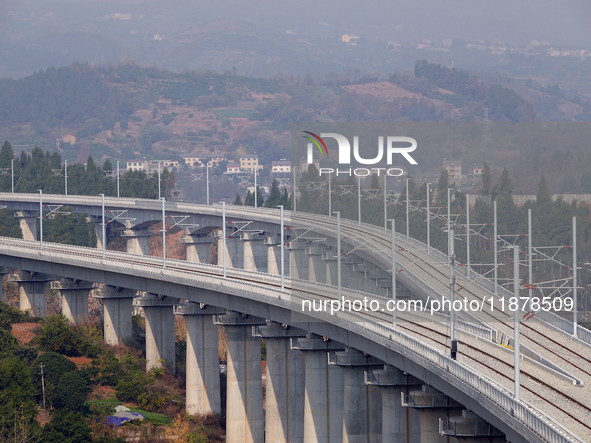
259, 295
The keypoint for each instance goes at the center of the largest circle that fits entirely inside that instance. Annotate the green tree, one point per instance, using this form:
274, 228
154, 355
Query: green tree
71, 391
260, 198
238, 200
442, 187
274, 198
505, 185
54, 366
18, 408
9, 226
543, 195
6, 156
8, 342
249, 199
35, 172
56, 335
67, 427
486, 179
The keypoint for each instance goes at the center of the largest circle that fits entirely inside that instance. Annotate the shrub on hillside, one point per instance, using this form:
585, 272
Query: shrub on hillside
67, 427
56, 335
54, 367
71, 391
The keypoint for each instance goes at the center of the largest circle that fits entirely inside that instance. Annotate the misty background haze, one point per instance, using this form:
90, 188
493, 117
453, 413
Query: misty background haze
265, 38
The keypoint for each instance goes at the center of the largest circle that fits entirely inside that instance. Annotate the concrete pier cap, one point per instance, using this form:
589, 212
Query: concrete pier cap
31, 288
74, 297
138, 240
469, 427
198, 247
117, 312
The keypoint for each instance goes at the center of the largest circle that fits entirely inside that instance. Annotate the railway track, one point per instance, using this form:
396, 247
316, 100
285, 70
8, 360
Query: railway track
430, 334
562, 352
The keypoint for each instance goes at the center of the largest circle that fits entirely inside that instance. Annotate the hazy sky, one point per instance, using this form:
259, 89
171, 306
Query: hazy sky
565, 22
37, 34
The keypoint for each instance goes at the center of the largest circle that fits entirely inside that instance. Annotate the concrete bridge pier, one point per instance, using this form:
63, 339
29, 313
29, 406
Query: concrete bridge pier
330, 263
160, 348
399, 424
432, 406
234, 251
284, 412
255, 252
366, 272
116, 312
349, 278
274, 256
98, 230
203, 362
298, 260
316, 265
470, 428
3, 271
324, 396
74, 296
362, 420
198, 248
245, 422
28, 223
31, 290
138, 241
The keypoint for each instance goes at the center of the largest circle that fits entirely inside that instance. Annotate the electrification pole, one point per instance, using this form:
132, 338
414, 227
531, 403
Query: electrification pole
495, 246
394, 273
407, 213
40, 218
103, 225
428, 220
517, 350
163, 232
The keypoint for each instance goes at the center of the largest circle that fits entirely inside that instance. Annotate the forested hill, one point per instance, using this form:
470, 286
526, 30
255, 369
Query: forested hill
129, 111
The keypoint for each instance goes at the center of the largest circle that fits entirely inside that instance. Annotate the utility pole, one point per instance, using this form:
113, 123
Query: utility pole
42, 384
256, 204
117, 178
